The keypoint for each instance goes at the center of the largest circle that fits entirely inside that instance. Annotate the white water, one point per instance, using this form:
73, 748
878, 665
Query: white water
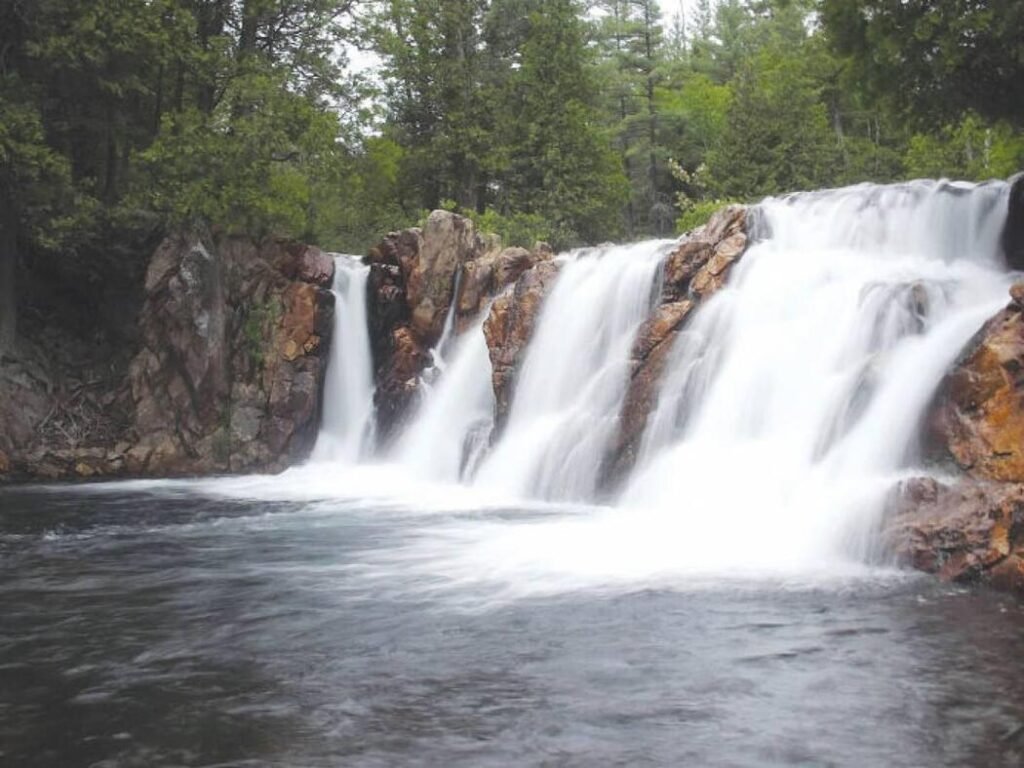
454, 421
806, 380
346, 432
570, 389
788, 410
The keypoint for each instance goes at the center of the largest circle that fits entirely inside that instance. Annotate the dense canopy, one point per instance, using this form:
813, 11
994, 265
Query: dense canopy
545, 119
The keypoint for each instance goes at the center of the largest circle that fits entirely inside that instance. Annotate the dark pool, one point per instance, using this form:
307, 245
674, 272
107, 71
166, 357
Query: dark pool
163, 626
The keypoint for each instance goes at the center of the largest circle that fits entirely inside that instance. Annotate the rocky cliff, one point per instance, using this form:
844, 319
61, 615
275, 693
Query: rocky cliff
970, 526
421, 278
223, 374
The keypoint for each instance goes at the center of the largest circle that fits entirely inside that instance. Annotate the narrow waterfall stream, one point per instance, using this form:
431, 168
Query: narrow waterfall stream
347, 429
452, 427
569, 392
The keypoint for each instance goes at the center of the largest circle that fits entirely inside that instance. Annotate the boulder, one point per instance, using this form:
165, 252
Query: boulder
449, 241
234, 342
316, 267
699, 264
978, 414
488, 275
967, 532
414, 275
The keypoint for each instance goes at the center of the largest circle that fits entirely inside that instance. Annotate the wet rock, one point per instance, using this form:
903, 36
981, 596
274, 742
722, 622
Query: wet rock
1013, 231
509, 327
398, 383
413, 277
695, 270
978, 417
449, 241
487, 276
968, 532
700, 263
229, 342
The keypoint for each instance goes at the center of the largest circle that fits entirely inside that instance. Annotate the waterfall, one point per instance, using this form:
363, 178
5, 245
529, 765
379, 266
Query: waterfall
788, 407
795, 396
573, 380
453, 423
346, 432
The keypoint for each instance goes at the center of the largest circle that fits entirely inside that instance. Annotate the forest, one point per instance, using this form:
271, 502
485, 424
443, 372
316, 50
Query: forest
560, 120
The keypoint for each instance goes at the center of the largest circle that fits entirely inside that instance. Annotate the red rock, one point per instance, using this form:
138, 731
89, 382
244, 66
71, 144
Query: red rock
697, 268
967, 532
979, 412
509, 327
316, 267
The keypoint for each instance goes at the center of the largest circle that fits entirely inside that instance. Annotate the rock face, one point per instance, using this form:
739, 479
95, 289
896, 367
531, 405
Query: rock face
226, 377
968, 532
416, 278
1013, 233
979, 414
233, 356
509, 327
972, 530
692, 273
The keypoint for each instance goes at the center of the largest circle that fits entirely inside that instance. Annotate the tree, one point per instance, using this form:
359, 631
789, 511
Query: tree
631, 39
433, 66
560, 164
777, 136
934, 60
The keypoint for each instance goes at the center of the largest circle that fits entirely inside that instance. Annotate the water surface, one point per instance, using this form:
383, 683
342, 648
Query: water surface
165, 624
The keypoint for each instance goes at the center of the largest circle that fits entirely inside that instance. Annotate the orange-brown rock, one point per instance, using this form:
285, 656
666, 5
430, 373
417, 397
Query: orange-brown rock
699, 264
509, 327
296, 334
967, 532
485, 277
651, 350
413, 277
449, 241
979, 416
232, 358
696, 269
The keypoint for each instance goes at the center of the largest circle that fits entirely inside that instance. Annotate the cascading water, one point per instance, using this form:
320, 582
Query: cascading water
797, 393
346, 433
788, 408
454, 420
570, 389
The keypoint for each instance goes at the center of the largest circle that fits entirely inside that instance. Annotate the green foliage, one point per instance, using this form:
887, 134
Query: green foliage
250, 169
777, 136
521, 229
259, 321
934, 60
972, 149
697, 214
542, 119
